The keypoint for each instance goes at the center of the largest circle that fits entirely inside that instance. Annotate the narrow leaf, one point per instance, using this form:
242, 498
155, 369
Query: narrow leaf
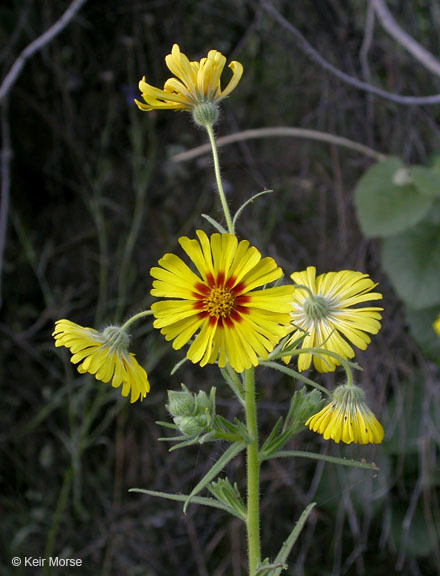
215, 224
294, 374
323, 457
230, 453
211, 502
243, 206
289, 543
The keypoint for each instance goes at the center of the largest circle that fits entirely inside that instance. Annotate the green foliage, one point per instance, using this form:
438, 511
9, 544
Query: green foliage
228, 495
412, 262
387, 201
401, 205
303, 404
420, 323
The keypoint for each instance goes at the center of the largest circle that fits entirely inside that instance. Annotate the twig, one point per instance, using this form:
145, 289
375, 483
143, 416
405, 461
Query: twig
37, 45
309, 51
404, 39
278, 132
8, 82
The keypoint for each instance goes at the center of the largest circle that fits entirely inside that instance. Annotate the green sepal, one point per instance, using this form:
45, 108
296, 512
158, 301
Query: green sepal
226, 457
211, 502
228, 495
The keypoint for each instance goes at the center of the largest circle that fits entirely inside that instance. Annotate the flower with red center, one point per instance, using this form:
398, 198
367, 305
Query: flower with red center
231, 321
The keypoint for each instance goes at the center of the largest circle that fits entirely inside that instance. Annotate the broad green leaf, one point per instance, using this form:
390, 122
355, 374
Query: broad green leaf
426, 180
384, 207
412, 262
420, 324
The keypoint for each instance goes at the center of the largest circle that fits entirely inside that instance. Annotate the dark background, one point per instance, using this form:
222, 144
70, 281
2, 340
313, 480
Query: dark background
96, 199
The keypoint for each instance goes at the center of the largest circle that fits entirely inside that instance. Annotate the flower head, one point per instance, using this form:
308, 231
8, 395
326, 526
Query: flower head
347, 418
105, 355
436, 325
323, 310
195, 83
234, 322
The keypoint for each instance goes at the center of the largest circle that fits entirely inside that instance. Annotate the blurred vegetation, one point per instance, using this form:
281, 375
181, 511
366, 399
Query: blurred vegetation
96, 199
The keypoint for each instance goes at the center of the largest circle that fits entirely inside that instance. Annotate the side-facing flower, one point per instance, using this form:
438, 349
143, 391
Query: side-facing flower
436, 325
347, 418
194, 84
324, 310
105, 355
234, 322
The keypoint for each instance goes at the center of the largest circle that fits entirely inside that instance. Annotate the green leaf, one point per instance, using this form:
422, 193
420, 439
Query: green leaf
230, 453
249, 201
420, 324
323, 458
426, 180
412, 262
290, 542
266, 568
211, 502
384, 207
215, 224
228, 495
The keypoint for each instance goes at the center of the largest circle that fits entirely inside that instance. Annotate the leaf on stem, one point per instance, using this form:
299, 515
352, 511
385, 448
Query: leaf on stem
289, 543
211, 502
215, 224
228, 495
323, 457
249, 201
302, 405
226, 457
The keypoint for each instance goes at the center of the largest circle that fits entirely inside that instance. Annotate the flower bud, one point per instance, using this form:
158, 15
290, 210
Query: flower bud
192, 413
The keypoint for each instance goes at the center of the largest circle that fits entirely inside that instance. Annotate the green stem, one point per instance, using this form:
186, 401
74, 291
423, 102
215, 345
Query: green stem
136, 317
221, 192
253, 474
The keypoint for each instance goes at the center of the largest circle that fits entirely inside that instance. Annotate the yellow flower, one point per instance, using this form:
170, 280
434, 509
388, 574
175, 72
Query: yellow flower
323, 310
436, 325
195, 83
105, 355
347, 418
234, 322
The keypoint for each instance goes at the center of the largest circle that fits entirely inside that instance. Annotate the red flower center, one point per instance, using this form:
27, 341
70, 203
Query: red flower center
220, 300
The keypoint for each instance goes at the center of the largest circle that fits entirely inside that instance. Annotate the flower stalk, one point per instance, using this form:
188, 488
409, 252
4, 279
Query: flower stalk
221, 192
253, 475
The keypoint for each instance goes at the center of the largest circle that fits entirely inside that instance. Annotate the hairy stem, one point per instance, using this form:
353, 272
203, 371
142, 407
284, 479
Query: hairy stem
253, 475
218, 178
